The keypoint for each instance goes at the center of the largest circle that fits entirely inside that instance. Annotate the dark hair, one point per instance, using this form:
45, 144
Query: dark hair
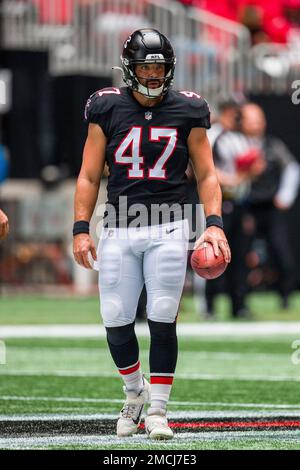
229, 104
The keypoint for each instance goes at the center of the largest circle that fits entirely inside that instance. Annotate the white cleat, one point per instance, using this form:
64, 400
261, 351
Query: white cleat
156, 425
131, 413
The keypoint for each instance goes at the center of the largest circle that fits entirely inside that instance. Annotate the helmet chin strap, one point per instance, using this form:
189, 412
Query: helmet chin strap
150, 92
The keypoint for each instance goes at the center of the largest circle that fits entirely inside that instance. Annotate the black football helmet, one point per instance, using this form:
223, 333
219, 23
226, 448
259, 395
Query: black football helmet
147, 46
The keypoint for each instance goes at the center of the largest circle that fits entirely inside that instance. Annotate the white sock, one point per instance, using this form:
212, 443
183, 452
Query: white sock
161, 386
133, 377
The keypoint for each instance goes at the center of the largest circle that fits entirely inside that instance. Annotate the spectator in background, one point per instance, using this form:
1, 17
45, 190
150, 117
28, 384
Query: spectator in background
260, 178
235, 186
285, 26
252, 17
228, 119
4, 226
272, 192
277, 21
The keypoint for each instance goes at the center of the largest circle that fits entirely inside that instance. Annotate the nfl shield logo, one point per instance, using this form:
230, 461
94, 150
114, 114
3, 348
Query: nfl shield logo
148, 115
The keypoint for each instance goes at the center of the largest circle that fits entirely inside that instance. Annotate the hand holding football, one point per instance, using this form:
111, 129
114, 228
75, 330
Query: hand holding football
206, 264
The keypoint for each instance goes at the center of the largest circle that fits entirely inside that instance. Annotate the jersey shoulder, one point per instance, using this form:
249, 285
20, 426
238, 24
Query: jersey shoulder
194, 107
194, 103
101, 102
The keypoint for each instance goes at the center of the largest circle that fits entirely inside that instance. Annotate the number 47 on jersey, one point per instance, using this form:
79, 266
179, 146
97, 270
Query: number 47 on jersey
135, 160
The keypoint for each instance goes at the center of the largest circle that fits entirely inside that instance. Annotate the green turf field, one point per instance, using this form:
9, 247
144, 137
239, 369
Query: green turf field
217, 378
42, 310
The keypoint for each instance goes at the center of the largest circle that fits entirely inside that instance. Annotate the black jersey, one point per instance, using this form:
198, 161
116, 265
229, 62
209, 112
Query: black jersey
146, 150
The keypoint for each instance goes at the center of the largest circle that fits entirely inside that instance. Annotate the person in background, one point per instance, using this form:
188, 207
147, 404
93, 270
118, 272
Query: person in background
4, 225
228, 119
252, 17
235, 172
259, 178
272, 193
284, 27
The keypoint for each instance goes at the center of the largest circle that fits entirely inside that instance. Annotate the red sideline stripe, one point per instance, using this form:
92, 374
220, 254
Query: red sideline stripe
161, 380
130, 370
236, 424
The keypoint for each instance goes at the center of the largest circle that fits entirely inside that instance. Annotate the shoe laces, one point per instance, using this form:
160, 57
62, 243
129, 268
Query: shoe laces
129, 410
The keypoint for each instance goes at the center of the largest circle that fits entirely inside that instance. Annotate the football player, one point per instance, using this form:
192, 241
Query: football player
4, 226
146, 133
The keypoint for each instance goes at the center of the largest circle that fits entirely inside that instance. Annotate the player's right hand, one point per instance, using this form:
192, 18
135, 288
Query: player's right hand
82, 246
4, 226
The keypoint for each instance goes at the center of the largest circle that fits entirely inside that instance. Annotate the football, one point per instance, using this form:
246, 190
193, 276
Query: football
206, 264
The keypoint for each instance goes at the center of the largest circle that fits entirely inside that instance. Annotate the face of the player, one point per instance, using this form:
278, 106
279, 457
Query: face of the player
150, 75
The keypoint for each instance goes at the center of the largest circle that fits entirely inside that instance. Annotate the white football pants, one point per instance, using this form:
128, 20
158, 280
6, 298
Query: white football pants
128, 258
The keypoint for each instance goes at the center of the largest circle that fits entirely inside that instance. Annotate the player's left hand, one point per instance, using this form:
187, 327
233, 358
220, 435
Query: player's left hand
217, 238
4, 226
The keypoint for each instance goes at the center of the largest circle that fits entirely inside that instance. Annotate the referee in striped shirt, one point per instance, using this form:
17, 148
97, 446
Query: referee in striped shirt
258, 176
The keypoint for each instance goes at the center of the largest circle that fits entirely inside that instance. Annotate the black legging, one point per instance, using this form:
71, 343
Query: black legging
271, 225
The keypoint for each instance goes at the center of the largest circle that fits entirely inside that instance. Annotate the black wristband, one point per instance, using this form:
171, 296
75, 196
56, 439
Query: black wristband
81, 226
215, 220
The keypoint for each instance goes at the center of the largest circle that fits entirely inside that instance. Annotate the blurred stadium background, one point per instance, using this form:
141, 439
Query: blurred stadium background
53, 55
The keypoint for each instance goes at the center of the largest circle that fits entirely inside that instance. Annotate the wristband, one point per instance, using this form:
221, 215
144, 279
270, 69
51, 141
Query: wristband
81, 226
215, 220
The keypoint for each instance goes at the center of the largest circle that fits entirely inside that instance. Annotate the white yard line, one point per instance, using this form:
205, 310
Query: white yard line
171, 403
110, 440
188, 376
184, 329
63, 399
